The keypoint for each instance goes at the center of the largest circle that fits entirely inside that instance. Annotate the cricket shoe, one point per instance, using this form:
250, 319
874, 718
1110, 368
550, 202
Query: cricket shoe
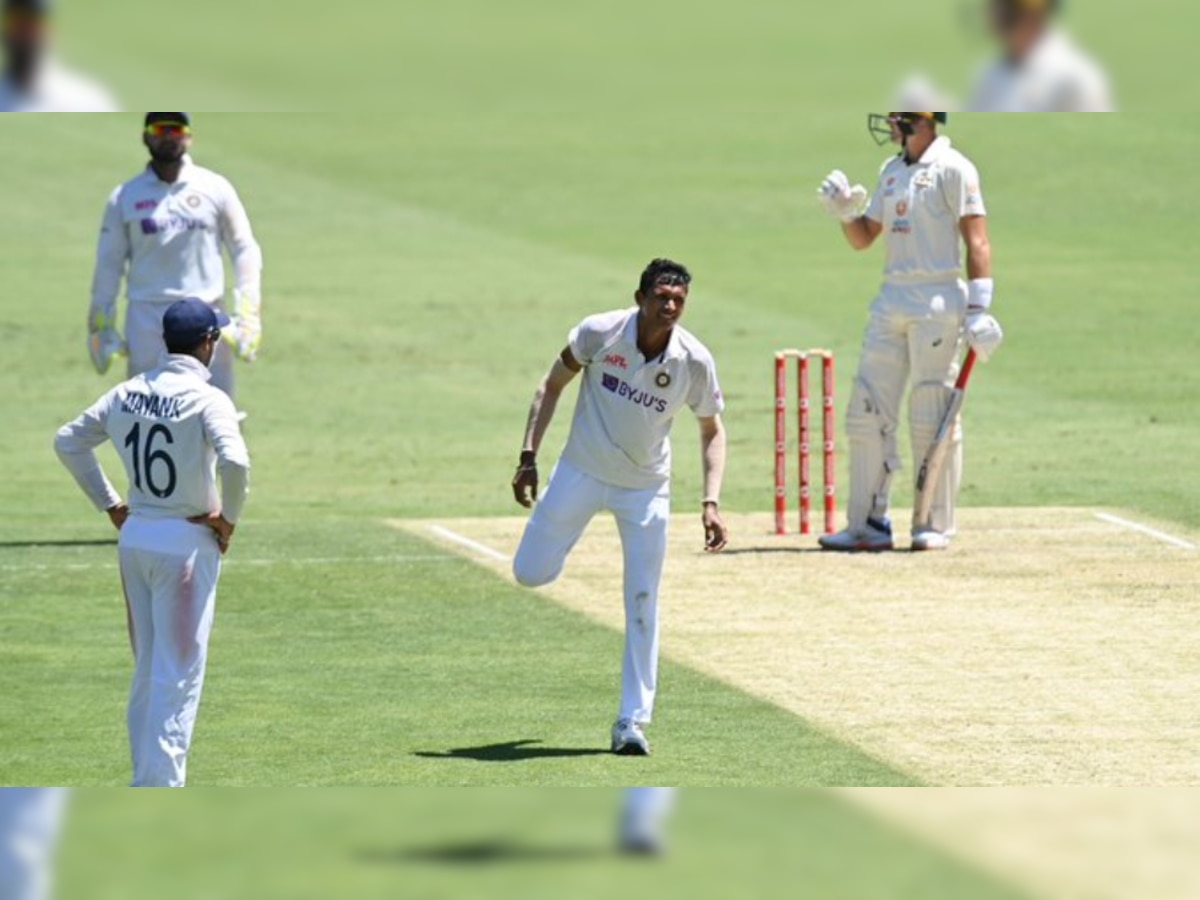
928, 539
638, 837
874, 537
628, 739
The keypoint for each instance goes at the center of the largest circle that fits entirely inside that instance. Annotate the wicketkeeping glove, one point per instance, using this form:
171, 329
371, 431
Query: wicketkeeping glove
244, 331
840, 199
104, 341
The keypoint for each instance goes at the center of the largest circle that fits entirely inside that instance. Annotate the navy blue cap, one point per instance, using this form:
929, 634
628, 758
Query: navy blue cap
187, 322
152, 117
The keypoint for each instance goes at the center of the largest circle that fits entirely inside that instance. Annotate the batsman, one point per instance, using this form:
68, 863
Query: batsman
929, 205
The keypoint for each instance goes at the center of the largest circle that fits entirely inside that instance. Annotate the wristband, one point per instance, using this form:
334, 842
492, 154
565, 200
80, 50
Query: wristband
713, 502
528, 458
979, 293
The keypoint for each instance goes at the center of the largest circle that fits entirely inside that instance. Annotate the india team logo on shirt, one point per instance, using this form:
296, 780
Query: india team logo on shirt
663, 379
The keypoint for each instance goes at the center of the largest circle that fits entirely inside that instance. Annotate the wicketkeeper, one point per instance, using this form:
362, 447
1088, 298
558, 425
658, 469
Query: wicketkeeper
928, 205
163, 231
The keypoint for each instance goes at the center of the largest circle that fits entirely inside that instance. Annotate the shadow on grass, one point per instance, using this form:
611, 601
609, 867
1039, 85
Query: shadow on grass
746, 551
481, 853
103, 542
510, 751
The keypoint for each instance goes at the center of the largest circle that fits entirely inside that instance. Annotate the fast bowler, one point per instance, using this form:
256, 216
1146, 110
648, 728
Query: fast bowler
640, 368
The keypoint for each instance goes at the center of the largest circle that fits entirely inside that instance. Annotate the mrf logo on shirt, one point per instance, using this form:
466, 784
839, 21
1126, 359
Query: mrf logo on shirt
626, 391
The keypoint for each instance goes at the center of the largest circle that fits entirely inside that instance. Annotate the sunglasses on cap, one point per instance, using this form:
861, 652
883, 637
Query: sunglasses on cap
168, 129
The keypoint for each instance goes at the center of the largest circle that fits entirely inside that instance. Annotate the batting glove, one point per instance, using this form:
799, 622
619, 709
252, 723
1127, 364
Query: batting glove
983, 332
104, 341
840, 199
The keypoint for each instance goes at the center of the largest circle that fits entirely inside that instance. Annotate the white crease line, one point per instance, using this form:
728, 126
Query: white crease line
300, 561
481, 549
1145, 529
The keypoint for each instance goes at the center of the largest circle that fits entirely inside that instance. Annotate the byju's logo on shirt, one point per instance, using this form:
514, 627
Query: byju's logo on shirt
172, 225
628, 392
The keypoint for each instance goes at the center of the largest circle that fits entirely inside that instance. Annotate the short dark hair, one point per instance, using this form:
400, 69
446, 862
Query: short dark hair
663, 271
188, 346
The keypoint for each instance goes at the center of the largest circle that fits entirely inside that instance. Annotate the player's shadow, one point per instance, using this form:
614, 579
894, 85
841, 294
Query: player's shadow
756, 551
510, 751
480, 853
103, 542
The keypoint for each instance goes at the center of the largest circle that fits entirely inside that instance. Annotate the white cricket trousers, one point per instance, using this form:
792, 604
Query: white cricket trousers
30, 822
169, 570
569, 502
915, 331
144, 337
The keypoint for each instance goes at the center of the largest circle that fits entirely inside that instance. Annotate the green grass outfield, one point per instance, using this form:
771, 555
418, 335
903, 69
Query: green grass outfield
771, 56
421, 275
494, 843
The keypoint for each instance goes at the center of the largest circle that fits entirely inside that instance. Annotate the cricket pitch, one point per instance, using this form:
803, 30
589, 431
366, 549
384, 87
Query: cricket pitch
1047, 647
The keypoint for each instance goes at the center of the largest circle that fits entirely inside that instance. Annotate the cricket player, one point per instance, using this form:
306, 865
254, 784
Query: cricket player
1041, 69
928, 205
163, 232
640, 368
33, 80
30, 824
174, 432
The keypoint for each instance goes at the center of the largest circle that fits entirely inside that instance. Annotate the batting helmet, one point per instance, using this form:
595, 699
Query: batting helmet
880, 126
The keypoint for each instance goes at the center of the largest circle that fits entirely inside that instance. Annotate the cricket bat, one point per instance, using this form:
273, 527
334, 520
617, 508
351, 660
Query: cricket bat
935, 456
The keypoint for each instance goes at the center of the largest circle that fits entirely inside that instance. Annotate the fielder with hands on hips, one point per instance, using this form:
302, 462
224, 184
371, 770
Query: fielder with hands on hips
174, 432
640, 368
163, 232
928, 205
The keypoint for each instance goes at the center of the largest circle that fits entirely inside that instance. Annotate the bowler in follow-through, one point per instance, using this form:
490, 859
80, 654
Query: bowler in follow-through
640, 368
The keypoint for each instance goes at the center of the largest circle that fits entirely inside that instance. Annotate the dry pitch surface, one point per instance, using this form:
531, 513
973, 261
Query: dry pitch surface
1048, 647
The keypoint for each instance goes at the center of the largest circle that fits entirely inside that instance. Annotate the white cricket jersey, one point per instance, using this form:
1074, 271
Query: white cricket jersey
1055, 77
166, 240
920, 206
172, 430
55, 90
620, 433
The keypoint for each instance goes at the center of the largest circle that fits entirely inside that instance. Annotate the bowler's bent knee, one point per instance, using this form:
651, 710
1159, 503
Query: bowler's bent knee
531, 571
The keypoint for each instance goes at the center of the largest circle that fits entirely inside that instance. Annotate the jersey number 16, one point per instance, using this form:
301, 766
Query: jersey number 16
154, 462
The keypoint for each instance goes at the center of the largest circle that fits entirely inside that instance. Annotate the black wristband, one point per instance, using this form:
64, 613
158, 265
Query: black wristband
528, 459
